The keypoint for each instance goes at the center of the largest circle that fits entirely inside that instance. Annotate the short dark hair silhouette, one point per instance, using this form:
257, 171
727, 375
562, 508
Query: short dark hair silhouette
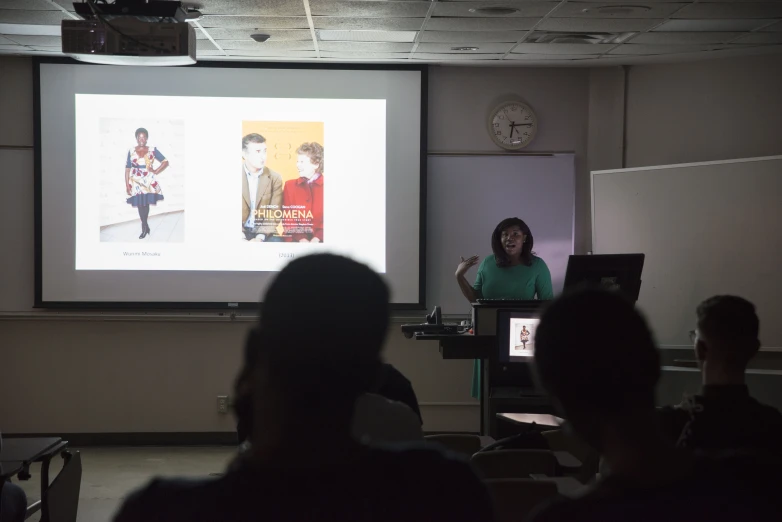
322, 327
595, 352
731, 322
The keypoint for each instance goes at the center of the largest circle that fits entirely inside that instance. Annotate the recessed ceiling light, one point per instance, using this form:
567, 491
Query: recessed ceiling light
494, 10
464, 48
260, 37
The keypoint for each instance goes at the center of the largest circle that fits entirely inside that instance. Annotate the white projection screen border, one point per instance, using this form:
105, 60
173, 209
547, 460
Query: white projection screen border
58, 84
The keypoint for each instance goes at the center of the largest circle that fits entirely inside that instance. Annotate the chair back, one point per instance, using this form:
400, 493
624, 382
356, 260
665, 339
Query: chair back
514, 499
62, 497
458, 443
507, 464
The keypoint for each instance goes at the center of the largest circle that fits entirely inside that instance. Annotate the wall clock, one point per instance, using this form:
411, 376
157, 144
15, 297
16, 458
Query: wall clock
512, 125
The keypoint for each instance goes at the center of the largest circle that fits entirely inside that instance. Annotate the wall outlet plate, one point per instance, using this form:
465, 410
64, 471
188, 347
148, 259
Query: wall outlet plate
223, 403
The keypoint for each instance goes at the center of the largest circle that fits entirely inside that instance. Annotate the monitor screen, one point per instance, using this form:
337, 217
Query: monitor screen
516, 334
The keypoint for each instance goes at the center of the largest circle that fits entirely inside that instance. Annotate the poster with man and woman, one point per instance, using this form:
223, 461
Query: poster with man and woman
282, 182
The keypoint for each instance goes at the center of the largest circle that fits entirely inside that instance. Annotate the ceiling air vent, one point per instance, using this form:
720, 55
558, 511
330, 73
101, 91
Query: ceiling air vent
494, 10
577, 38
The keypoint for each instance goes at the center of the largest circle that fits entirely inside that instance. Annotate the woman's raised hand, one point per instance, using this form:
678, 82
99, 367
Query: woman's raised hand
465, 265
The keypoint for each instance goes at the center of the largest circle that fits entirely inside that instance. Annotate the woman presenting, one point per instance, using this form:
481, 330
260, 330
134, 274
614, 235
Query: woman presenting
512, 272
140, 182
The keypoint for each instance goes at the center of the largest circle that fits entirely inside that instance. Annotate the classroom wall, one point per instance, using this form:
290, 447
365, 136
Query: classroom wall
704, 111
92, 376
64, 375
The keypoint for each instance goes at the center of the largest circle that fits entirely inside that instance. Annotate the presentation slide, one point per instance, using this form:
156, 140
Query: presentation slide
522, 338
193, 186
244, 185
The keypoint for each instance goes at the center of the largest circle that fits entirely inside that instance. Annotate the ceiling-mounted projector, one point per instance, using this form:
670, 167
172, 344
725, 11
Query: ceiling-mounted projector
130, 32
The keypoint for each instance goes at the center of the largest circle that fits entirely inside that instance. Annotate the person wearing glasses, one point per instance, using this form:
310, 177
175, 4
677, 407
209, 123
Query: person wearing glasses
513, 271
724, 417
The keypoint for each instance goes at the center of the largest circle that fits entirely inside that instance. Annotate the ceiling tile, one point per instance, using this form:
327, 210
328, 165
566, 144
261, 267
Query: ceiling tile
773, 27
383, 24
272, 52
201, 53
17, 16
481, 24
256, 22
28, 5
683, 38
366, 47
464, 57
31, 29
251, 45
369, 9
47, 48
365, 56
341, 35
731, 10
534, 48
617, 10
661, 49
244, 34
529, 9
582, 25
548, 57
250, 7
40, 41
205, 45
465, 37
447, 48
710, 25
760, 38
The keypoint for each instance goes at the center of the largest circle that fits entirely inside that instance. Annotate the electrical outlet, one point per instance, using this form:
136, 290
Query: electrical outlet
222, 404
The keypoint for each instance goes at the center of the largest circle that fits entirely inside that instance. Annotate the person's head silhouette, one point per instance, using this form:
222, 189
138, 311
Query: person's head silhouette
317, 347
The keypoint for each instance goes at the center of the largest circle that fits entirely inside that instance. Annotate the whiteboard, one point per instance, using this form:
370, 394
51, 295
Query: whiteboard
468, 195
706, 229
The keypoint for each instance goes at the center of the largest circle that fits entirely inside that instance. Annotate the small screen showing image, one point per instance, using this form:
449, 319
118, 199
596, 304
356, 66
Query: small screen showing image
522, 337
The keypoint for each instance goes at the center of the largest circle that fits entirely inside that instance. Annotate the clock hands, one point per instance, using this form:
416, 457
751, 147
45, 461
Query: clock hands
513, 126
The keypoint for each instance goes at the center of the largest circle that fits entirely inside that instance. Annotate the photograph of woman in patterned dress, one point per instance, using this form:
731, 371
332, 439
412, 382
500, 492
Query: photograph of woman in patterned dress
141, 177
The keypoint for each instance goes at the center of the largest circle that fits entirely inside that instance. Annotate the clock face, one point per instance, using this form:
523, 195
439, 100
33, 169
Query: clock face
512, 125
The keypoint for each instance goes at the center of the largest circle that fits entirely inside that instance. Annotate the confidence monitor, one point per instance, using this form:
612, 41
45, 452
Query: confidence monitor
616, 272
516, 334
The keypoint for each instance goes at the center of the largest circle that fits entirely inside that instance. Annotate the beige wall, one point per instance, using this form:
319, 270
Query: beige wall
460, 99
90, 376
93, 376
705, 111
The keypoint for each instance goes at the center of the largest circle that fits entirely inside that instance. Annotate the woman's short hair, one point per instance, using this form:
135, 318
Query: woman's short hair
142, 130
500, 255
314, 151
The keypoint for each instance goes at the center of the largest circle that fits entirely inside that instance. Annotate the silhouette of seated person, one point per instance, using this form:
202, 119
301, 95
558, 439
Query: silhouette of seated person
305, 370
606, 391
724, 419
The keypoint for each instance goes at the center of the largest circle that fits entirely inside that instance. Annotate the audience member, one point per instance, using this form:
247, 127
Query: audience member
604, 384
303, 371
724, 418
13, 501
377, 420
390, 384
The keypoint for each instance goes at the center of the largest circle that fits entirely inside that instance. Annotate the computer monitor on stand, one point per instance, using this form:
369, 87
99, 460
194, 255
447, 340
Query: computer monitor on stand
619, 272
